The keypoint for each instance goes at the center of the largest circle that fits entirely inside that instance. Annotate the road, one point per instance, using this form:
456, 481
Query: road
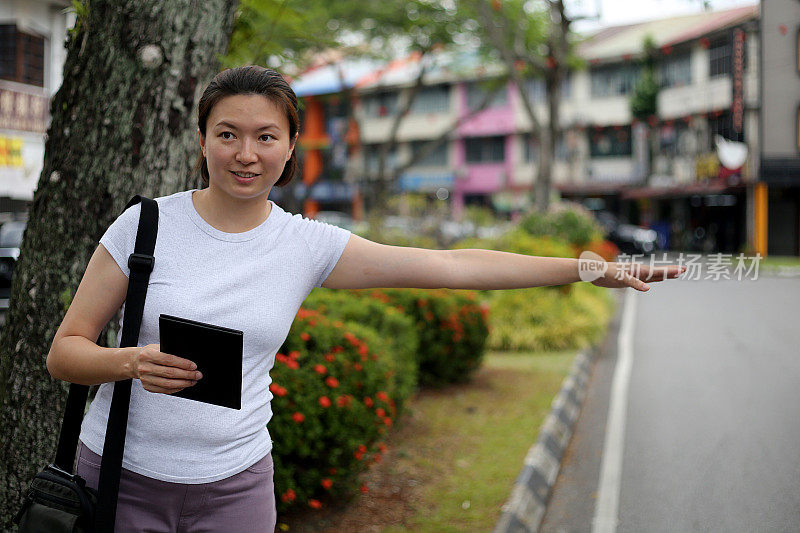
710, 436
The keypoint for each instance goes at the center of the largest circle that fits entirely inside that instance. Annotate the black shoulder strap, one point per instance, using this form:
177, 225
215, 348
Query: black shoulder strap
141, 263
76, 400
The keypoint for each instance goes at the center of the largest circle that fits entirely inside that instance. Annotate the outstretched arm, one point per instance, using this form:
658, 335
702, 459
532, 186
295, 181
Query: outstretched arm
366, 264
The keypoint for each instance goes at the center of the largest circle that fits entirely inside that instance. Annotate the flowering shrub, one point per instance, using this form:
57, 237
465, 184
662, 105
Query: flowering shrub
452, 328
391, 323
335, 393
548, 320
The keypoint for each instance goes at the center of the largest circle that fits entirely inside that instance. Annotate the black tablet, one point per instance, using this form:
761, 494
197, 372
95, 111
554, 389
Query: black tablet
217, 352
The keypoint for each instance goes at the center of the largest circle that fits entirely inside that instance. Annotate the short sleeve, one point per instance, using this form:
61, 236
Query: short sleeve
326, 243
120, 237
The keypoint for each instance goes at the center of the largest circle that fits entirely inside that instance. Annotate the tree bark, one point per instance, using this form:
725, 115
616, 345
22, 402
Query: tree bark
122, 124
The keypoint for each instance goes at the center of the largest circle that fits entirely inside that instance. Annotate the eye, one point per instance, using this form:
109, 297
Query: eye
229, 134
267, 137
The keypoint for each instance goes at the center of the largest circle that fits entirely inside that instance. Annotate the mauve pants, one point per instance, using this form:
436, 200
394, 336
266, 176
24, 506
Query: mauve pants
243, 503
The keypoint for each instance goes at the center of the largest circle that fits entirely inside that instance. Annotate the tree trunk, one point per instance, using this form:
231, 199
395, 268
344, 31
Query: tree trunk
122, 123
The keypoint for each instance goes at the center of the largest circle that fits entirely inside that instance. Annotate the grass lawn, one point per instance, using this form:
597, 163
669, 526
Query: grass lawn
775, 261
455, 455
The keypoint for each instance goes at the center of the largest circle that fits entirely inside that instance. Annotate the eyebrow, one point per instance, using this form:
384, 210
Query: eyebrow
232, 126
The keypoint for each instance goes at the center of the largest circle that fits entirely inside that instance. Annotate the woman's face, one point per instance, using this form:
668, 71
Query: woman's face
247, 144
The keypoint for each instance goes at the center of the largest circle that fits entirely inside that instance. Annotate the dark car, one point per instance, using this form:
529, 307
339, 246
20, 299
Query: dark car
630, 239
10, 241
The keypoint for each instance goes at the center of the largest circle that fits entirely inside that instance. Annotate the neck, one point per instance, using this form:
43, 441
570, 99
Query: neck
228, 214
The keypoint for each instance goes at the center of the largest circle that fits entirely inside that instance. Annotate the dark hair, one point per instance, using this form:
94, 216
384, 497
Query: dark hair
251, 79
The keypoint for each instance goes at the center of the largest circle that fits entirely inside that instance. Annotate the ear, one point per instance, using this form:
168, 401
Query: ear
291, 146
202, 141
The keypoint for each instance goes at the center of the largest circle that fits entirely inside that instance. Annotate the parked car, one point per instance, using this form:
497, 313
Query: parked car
10, 241
630, 239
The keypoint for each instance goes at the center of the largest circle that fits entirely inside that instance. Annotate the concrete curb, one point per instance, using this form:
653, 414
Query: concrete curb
525, 508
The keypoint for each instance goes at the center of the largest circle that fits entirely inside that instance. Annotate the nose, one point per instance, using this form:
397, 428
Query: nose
246, 153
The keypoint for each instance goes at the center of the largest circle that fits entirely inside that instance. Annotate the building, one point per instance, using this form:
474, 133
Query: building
32, 54
708, 72
779, 187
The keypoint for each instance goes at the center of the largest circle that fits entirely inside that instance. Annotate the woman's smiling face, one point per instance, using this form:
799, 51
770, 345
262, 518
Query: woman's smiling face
246, 146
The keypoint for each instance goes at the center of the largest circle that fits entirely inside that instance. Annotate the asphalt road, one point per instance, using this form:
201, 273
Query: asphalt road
712, 418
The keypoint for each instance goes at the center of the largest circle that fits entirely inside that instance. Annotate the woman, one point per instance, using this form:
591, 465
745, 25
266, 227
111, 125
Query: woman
228, 256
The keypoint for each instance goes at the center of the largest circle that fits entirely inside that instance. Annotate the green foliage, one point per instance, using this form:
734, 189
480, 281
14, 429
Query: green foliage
572, 224
519, 241
336, 390
536, 319
644, 98
393, 326
452, 328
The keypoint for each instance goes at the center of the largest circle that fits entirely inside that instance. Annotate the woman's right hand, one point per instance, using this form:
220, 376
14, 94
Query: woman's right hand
163, 372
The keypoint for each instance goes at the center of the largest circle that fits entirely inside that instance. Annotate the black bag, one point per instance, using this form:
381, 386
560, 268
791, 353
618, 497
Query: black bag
56, 500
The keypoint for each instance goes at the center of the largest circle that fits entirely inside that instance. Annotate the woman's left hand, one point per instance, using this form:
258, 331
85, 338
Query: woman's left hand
636, 275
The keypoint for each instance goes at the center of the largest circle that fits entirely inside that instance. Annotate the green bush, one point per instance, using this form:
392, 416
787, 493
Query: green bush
570, 223
452, 328
536, 319
392, 325
519, 242
336, 389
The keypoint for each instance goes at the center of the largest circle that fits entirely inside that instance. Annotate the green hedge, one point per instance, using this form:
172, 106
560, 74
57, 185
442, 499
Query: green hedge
537, 319
452, 328
336, 390
392, 325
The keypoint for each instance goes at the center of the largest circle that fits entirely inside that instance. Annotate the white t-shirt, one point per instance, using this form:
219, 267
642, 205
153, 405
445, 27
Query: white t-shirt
253, 281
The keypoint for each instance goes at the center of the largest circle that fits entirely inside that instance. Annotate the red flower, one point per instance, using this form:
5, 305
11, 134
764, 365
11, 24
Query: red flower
382, 396
312, 322
359, 455
358, 366
343, 401
324, 401
288, 496
377, 458
388, 422
368, 401
330, 358
305, 336
363, 350
298, 417
332, 382
294, 354
327, 483
291, 363
380, 412
364, 489
382, 447
316, 504
277, 390
362, 448
320, 369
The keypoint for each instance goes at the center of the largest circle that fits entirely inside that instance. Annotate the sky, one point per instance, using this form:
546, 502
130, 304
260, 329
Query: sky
617, 12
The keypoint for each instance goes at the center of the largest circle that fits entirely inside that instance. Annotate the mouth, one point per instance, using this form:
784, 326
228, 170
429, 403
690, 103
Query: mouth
244, 177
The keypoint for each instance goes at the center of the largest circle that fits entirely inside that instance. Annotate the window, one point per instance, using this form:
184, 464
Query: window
611, 142
432, 99
438, 158
614, 80
537, 91
485, 149
380, 104
371, 154
672, 138
531, 148
476, 92
720, 56
21, 56
722, 124
675, 71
